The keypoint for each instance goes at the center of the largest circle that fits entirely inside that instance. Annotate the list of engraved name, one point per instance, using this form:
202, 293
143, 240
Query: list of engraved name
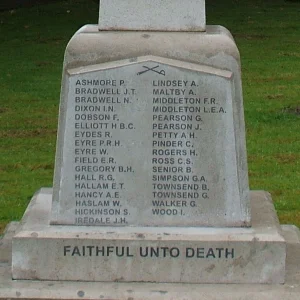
98, 195
177, 109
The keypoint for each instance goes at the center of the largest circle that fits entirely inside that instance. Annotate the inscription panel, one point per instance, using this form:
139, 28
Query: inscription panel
147, 142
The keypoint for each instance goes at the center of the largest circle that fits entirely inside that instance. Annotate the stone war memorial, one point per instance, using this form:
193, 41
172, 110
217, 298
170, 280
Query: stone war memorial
151, 197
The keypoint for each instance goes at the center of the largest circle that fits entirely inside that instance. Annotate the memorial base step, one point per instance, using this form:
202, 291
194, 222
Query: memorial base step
63, 290
149, 254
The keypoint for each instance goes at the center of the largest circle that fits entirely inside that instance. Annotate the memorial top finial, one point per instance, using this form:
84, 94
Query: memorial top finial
152, 15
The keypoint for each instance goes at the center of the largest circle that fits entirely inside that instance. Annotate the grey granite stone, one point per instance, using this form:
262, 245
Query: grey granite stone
162, 15
63, 290
149, 254
5, 242
151, 140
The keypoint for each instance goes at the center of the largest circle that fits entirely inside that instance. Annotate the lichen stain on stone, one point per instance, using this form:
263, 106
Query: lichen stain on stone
210, 268
194, 28
133, 59
241, 262
160, 292
80, 293
27, 273
140, 236
146, 36
119, 279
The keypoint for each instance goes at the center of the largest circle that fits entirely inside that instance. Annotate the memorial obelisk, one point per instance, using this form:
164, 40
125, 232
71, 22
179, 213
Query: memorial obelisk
151, 134
151, 181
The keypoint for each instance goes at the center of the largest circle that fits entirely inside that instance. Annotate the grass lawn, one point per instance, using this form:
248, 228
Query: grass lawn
32, 43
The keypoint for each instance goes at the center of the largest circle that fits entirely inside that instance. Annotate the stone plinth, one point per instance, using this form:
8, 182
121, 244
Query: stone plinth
149, 254
64, 290
151, 140
155, 15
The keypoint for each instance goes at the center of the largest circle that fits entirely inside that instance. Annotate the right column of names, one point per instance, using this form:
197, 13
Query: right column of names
177, 123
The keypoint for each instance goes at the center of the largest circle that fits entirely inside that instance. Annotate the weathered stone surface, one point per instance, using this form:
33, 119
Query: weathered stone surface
5, 242
153, 254
35, 289
215, 48
166, 15
226, 58
148, 141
